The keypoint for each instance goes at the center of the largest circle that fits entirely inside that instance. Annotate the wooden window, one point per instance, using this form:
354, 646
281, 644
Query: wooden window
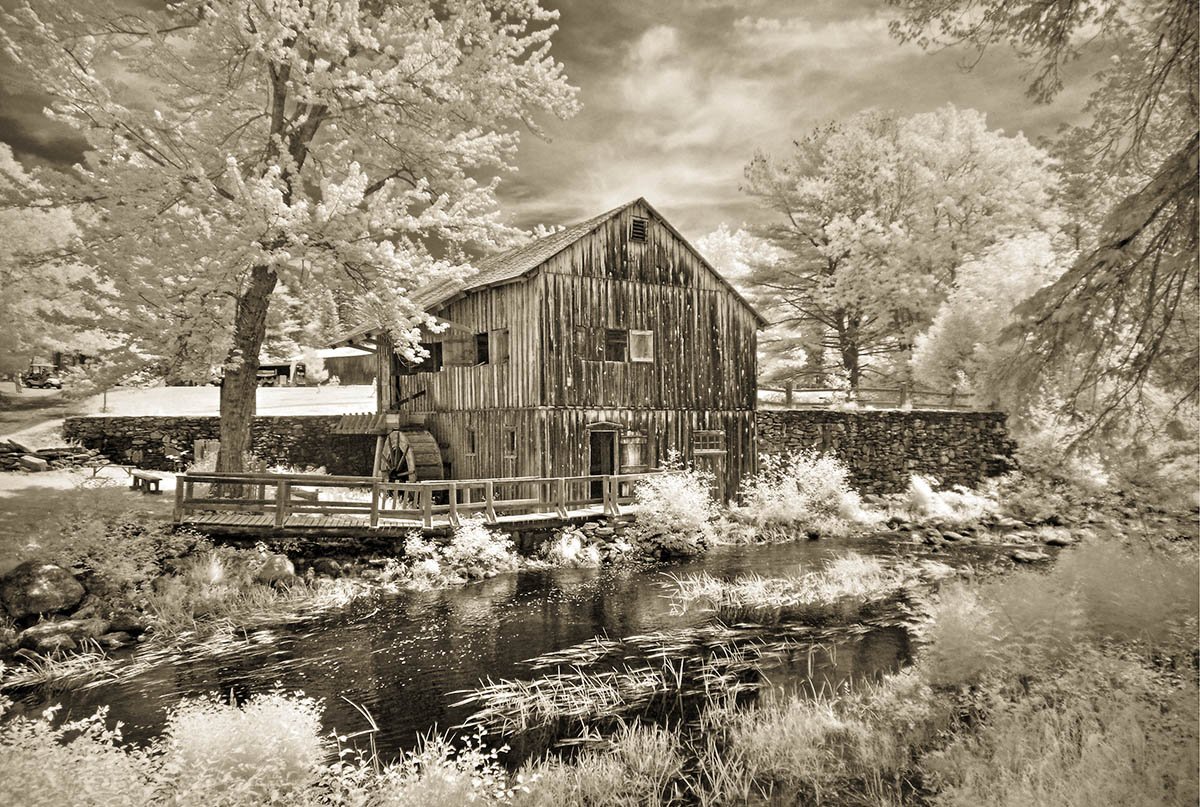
481, 348
510, 442
458, 352
641, 346
471, 441
710, 441
637, 229
430, 364
498, 346
616, 345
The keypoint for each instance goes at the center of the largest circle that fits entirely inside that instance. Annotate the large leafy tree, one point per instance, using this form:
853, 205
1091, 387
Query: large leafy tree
237, 146
876, 213
38, 306
1121, 327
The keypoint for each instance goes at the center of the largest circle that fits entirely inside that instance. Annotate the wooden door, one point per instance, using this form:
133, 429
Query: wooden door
714, 463
602, 457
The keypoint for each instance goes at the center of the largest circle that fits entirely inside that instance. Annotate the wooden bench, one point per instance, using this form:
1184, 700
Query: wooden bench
146, 481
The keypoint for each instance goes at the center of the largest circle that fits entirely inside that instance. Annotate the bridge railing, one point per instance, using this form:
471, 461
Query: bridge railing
448, 501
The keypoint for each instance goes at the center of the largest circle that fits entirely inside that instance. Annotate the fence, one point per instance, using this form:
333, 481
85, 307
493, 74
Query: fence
868, 397
373, 500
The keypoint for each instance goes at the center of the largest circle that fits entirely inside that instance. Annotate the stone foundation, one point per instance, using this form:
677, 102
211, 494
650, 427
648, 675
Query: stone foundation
883, 447
300, 441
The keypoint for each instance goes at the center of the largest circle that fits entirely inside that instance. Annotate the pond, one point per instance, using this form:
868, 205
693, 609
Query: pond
401, 656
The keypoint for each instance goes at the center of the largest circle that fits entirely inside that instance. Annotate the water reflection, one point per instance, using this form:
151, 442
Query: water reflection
400, 656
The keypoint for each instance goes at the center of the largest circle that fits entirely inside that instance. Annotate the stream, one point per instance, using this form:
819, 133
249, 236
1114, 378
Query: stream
401, 656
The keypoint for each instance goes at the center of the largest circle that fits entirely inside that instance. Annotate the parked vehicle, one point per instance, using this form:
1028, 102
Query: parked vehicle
42, 379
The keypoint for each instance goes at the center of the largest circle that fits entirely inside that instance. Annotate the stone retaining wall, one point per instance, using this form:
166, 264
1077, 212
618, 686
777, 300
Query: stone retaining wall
883, 447
302, 440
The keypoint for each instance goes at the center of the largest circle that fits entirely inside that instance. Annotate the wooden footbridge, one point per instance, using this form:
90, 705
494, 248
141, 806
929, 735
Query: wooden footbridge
313, 504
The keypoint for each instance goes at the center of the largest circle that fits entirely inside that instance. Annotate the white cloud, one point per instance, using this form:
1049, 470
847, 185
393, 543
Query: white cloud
654, 46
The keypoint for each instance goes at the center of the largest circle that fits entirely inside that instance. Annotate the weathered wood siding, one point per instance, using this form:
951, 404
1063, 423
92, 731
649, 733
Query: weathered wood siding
554, 442
517, 383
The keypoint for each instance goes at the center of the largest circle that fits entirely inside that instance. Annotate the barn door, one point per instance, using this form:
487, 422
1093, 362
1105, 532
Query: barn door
714, 464
602, 458
709, 454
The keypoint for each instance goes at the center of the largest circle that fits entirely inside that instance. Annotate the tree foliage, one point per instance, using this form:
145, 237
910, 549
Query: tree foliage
39, 308
1120, 327
877, 212
236, 145
962, 348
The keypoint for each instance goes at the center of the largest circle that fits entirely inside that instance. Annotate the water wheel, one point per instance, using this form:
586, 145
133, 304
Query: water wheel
411, 455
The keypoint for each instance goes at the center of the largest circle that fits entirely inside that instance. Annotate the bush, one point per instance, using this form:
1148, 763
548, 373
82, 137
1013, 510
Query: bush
1104, 731
959, 505
80, 762
270, 749
473, 553
571, 548
675, 512
803, 490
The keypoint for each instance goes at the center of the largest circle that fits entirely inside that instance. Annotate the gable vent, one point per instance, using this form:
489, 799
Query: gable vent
637, 229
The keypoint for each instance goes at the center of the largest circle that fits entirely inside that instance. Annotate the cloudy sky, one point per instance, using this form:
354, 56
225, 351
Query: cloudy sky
678, 94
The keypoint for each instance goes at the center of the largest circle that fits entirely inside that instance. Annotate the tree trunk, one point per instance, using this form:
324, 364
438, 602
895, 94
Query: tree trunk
240, 382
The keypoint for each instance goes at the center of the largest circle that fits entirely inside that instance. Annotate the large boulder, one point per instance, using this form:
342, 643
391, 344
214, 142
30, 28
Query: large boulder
38, 587
276, 569
49, 636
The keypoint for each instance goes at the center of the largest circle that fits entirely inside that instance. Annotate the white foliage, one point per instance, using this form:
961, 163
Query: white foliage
331, 143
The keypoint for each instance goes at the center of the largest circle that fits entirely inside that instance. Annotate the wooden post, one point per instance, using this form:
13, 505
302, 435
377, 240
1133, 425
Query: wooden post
787, 393
606, 488
453, 499
489, 498
283, 489
374, 504
179, 484
376, 471
262, 491
903, 395
560, 497
427, 505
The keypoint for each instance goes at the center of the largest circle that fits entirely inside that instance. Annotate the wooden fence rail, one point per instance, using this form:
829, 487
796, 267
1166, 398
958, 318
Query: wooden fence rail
870, 397
364, 497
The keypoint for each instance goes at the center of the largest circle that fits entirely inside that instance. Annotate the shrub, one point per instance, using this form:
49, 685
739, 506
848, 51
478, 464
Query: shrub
473, 553
1104, 731
570, 547
267, 750
959, 505
805, 490
78, 762
675, 512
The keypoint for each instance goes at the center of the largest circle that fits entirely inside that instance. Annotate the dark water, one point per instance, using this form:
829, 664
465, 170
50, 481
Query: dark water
401, 655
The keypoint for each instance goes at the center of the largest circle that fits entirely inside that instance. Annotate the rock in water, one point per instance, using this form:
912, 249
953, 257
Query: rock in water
1027, 556
37, 587
276, 569
46, 637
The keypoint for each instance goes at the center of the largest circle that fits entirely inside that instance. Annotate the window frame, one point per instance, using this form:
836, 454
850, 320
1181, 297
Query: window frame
649, 336
704, 442
616, 336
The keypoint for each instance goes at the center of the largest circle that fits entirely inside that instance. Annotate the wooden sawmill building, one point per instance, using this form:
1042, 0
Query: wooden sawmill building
602, 348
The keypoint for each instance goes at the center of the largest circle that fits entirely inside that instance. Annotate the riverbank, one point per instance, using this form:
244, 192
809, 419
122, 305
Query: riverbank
686, 710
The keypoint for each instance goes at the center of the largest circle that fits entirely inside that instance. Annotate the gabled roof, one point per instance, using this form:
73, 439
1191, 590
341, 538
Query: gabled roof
514, 264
